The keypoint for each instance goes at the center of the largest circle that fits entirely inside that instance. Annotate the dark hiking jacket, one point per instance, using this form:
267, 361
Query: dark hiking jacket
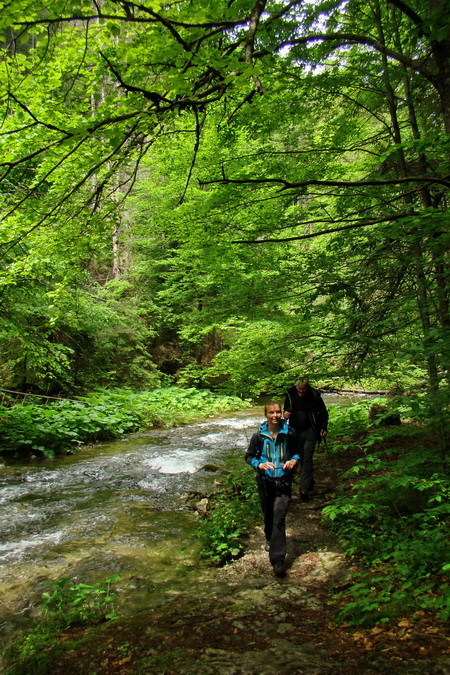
312, 404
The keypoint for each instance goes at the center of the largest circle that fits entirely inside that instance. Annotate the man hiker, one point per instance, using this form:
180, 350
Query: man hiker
308, 416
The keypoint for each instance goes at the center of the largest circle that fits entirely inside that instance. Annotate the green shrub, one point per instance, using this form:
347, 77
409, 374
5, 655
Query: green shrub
68, 604
394, 521
349, 420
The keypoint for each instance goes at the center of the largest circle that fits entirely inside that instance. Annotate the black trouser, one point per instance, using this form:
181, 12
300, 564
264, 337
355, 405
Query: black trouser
306, 443
275, 501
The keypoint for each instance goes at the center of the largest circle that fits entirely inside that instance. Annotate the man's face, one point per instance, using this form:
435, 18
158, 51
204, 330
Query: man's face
302, 388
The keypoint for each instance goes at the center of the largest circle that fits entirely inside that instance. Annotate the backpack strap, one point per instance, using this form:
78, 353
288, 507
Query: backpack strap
259, 444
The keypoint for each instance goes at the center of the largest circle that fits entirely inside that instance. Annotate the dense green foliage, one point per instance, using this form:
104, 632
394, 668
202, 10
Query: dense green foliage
225, 193
65, 604
233, 511
63, 425
393, 520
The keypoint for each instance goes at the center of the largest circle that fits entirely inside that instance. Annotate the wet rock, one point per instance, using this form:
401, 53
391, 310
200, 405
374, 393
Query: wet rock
202, 506
213, 468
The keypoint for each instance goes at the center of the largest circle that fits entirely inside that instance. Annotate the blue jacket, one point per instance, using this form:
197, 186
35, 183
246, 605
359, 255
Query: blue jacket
263, 448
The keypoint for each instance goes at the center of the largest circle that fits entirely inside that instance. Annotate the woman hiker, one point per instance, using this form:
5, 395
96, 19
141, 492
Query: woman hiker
272, 454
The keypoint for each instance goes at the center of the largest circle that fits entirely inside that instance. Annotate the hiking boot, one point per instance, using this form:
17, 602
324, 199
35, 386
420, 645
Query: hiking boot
279, 569
304, 496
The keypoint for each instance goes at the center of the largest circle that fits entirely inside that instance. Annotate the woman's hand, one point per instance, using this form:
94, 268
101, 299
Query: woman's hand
290, 465
266, 466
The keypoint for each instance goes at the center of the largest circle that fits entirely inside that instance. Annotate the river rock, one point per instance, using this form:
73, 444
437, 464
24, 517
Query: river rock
213, 468
202, 506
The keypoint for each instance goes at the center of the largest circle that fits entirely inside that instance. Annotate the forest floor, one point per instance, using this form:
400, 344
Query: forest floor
246, 621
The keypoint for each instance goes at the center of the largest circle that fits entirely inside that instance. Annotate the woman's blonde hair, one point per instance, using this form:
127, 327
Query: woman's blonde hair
269, 405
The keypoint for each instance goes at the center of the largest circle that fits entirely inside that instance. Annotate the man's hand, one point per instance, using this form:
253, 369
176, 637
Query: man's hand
287, 414
290, 465
323, 433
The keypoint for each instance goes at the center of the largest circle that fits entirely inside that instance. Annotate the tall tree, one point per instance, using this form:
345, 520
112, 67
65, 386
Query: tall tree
318, 132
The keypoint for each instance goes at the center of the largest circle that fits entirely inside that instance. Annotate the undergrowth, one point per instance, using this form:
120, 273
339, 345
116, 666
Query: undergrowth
61, 426
392, 519
65, 604
233, 512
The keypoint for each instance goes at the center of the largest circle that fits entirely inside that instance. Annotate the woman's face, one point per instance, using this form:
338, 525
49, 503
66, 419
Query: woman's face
273, 413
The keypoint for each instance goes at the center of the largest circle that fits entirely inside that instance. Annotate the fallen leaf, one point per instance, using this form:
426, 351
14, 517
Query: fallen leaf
377, 630
404, 623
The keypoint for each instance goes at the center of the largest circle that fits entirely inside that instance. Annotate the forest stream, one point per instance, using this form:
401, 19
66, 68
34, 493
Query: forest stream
120, 508
111, 508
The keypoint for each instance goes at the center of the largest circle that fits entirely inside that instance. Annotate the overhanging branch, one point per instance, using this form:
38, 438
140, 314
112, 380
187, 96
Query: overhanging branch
287, 185
344, 39
312, 235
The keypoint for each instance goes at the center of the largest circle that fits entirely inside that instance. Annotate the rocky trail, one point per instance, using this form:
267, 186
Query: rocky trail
246, 621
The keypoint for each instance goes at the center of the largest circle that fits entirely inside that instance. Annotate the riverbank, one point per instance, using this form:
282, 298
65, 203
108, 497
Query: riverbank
43, 427
243, 620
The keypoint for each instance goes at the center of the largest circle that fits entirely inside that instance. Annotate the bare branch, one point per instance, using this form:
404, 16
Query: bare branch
11, 132
184, 24
44, 124
152, 96
129, 17
198, 129
247, 99
410, 13
167, 23
277, 15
